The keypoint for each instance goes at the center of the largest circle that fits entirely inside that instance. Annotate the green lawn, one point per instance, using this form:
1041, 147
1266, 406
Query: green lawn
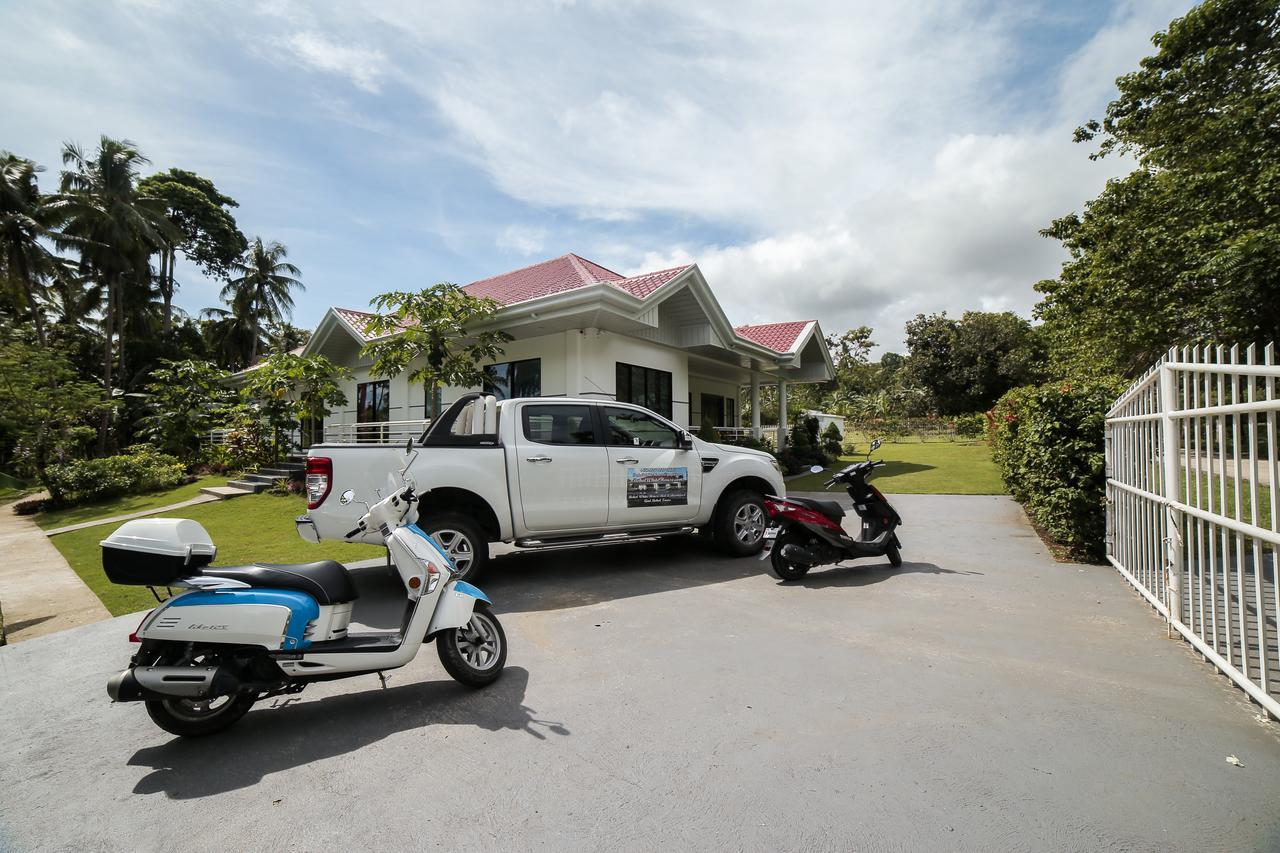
122, 506
247, 529
922, 468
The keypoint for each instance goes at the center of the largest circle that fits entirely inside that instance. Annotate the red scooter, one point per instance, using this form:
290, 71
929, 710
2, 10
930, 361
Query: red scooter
805, 533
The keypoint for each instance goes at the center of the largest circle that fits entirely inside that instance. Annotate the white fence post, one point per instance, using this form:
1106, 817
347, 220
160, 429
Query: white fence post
1171, 450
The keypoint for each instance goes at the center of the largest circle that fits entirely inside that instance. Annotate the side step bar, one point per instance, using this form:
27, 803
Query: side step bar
603, 538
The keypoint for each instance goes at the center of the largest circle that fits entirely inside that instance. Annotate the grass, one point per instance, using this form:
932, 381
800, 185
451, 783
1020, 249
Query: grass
52, 519
918, 467
247, 529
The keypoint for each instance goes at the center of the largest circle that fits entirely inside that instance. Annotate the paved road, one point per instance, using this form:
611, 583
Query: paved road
658, 696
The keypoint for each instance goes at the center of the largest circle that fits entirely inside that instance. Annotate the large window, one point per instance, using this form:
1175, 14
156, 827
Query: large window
630, 428
644, 386
515, 379
373, 402
720, 409
559, 423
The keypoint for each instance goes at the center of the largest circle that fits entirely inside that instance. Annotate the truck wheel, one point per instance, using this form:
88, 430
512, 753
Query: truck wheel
740, 523
462, 540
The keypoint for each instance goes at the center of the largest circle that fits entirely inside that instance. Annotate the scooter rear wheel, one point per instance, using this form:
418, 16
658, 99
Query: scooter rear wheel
190, 718
475, 653
782, 567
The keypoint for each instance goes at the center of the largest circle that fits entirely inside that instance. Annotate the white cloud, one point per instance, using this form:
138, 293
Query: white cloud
522, 239
363, 66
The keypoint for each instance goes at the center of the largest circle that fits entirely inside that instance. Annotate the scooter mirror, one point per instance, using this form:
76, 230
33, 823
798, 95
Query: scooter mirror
347, 497
816, 469
875, 445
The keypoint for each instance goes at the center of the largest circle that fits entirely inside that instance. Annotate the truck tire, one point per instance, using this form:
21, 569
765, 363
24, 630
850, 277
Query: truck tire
740, 522
462, 539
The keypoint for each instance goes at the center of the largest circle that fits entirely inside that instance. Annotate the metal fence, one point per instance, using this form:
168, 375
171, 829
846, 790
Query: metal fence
381, 432
1192, 474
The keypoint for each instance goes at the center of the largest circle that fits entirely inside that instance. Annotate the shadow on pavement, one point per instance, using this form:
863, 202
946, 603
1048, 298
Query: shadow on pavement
867, 573
574, 577
272, 739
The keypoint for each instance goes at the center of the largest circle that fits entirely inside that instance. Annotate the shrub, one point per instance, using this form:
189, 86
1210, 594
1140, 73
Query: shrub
141, 468
1048, 441
31, 507
831, 440
972, 425
708, 431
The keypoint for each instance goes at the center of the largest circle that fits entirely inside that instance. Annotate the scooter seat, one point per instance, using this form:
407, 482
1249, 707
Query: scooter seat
830, 509
327, 581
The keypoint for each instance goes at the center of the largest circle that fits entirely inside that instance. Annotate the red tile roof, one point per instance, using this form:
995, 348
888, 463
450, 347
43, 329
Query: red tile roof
779, 337
567, 272
359, 320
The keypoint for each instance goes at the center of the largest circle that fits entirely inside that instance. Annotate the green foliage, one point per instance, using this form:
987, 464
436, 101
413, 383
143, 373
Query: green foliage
708, 431
831, 440
804, 447
967, 364
285, 388
140, 469
186, 399
250, 441
972, 425
433, 334
1187, 248
210, 238
1048, 441
259, 295
46, 408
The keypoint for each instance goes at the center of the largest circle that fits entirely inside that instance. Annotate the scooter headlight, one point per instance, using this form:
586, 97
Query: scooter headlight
433, 577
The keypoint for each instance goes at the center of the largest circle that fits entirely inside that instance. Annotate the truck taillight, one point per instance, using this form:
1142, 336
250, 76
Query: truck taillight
319, 480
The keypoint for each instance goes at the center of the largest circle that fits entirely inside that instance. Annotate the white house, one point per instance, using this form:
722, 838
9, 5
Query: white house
659, 339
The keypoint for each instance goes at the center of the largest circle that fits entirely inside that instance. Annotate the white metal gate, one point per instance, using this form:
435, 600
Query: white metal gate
1192, 475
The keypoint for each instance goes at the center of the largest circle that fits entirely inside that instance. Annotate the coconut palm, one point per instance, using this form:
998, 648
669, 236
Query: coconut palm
118, 230
260, 292
232, 334
27, 225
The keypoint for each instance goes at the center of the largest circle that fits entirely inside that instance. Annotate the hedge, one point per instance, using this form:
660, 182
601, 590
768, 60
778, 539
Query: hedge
1048, 441
139, 469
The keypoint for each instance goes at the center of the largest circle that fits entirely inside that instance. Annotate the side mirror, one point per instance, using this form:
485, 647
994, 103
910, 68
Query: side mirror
347, 497
875, 445
685, 441
408, 446
816, 469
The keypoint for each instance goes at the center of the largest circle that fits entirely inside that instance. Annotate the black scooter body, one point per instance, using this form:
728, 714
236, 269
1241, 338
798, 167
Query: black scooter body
810, 534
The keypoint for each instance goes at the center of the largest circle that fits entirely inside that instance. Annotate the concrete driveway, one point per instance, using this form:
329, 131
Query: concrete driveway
658, 696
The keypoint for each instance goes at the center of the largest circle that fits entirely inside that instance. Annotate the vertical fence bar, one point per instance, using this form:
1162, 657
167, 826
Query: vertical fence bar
1172, 456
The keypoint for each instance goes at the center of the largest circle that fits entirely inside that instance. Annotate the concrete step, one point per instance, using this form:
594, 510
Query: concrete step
225, 491
281, 471
252, 486
297, 458
259, 477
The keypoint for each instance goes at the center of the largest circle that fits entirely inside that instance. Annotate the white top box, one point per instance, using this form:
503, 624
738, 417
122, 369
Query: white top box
165, 537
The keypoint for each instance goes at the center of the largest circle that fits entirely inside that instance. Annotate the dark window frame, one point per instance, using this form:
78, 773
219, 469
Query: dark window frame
655, 387
386, 398
511, 367
592, 418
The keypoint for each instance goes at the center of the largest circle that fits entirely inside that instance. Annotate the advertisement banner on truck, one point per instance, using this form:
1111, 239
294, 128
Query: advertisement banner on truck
657, 486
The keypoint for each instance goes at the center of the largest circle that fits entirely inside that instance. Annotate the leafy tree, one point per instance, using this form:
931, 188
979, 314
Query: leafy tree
28, 224
967, 364
288, 388
46, 406
186, 400
209, 236
260, 293
116, 230
286, 336
1187, 247
433, 334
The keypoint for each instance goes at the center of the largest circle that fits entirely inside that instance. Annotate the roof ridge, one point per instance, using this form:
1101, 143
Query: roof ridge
521, 269
576, 258
355, 311
580, 269
655, 272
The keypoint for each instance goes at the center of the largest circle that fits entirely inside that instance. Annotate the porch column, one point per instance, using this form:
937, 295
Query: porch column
782, 414
755, 406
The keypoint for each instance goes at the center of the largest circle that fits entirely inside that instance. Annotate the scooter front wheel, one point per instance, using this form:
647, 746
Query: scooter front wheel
475, 653
782, 567
895, 557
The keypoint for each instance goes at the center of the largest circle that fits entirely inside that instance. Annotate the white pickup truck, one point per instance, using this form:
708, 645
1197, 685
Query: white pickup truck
549, 471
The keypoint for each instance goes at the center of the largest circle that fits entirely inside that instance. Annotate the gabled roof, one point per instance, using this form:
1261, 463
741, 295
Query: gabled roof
567, 272
779, 337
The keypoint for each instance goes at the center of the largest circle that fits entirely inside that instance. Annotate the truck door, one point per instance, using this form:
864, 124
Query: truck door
562, 468
651, 480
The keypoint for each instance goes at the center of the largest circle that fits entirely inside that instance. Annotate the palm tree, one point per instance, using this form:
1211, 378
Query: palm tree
261, 290
118, 230
232, 335
27, 224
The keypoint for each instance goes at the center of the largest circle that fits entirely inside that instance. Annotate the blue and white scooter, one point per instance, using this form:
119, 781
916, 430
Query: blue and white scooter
246, 633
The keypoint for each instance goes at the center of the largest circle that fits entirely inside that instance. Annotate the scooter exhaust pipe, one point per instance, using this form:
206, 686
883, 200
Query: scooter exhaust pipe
168, 682
800, 554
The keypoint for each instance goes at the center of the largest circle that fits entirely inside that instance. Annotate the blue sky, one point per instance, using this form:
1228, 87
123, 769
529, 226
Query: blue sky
850, 162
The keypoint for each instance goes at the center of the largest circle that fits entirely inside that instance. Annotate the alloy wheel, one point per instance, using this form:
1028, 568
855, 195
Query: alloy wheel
458, 547
478, 642
748, 523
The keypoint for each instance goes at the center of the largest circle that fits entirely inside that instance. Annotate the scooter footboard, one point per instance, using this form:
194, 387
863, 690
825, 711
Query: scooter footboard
456, 604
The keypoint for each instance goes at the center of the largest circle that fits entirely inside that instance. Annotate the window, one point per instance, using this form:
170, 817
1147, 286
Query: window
373, 402
558, 424
719, 409
636, 429
644, 386
515, 379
